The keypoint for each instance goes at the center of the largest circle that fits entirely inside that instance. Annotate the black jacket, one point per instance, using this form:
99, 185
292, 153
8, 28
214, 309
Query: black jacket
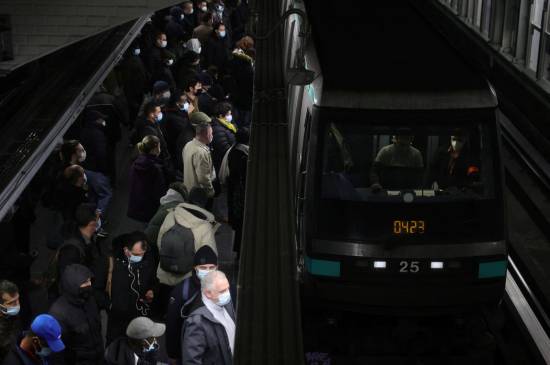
9, 328
236, 187
243, 81
206, 341
79, 320
174, 319
119, 352
216, 52
146, 128
130, 283
94, 140
16, 356
135, 79
147, 185
174, 122
224, 138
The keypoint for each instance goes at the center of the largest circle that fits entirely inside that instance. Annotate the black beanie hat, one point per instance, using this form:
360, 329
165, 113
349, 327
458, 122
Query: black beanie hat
205, 255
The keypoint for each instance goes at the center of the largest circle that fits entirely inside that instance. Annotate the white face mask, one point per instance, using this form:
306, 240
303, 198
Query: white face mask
170, 62
192, 10
224, 298
200, 49
137, 51
166, 94
204, 8
163, 44
229, 117
182, 16
457, 145
82, 157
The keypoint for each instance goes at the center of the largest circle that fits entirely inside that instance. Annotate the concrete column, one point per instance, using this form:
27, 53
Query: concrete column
523, 29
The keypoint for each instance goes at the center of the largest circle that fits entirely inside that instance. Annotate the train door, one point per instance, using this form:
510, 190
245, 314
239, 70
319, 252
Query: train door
302, 183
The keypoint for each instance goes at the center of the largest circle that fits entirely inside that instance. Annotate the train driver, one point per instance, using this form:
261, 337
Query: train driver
400, 153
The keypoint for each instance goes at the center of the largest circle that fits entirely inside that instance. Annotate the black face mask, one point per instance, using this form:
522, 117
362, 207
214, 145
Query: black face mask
85, 292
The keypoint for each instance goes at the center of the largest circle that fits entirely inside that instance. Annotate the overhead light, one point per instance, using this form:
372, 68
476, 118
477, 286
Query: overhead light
436, 265
380, 264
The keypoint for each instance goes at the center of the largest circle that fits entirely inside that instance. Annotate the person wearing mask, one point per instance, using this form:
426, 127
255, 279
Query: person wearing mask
164, 71
174, 29
239, 18
71, 191
237, 161
216, 49
203, 31
133, 284
149, 125
188, 61
202, 8
192, 88
198, 169
207, 102
455, 165
78, 314
140, 346
208, 335
401, 153
135, 79
242, 69
154, 61
223, 131
203, 226
176, 121
147, 183
9, 315
189, 17
185, 298
36, 347
221, 15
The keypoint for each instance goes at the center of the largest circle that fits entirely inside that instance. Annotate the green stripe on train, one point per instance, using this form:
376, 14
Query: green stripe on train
492, 269
323, 267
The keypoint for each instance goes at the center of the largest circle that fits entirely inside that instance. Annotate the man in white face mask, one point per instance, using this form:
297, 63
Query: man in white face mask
209, 331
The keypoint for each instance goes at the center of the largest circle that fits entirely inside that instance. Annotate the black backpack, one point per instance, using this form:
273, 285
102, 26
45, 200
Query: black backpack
177, 248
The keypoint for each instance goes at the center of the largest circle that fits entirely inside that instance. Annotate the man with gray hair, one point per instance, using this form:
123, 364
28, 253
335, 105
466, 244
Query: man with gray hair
197, 160
208, 335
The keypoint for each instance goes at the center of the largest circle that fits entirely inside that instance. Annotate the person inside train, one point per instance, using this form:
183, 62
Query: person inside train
398, 164
455, 165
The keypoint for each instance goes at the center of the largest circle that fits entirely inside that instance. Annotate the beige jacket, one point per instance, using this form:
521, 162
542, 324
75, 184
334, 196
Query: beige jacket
204, 232
197, 167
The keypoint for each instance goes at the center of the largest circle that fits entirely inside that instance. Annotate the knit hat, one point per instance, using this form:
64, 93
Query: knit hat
199, 118
205, 255
160, 87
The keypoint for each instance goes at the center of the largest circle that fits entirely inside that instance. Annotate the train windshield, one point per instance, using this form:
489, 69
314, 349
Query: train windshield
406, 163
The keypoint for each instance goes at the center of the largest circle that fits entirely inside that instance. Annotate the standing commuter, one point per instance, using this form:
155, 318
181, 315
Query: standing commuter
197, 160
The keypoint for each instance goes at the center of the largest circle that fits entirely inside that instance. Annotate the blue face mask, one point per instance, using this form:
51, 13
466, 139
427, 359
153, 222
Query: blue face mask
158, 118
222, 34
135, 259
44, 352
10, 311
224, 298
202, 273
152, 347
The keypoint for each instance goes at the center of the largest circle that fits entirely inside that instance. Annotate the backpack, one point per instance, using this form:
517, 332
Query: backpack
51, 275
177, 248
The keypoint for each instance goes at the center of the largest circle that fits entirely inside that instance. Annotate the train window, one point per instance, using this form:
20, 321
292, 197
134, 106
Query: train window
435, 162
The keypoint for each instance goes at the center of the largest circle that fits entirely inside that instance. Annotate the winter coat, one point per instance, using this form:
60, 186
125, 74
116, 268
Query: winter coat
9, 328
207, 103
147, 186
146, 128
173, 123
197, 167
16, 356
135, 80
205, 340
236, 186
185, 136
67, 197
216, 52
79, 320
203, 233
116, 110
243, 80
94, 139
168, 201
239, 18
224, 138
174, 319
128, 282
175, 32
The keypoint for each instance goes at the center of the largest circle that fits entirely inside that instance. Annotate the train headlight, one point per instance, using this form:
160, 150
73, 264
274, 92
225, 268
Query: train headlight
380, 264
436, 265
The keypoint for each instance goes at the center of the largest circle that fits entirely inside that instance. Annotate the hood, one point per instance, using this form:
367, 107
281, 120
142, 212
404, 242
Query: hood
144, 162
193, 45
171, 196
176, 12
74, 276
191, 216
239, 54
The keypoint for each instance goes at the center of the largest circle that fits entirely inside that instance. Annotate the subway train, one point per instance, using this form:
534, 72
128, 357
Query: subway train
396, 167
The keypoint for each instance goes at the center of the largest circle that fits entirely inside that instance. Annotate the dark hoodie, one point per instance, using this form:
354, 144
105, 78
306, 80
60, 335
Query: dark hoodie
120, 352
147, 186
79, 320
175, 32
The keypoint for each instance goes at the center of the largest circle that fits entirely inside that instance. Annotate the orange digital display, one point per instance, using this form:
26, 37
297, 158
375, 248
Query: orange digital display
408, 227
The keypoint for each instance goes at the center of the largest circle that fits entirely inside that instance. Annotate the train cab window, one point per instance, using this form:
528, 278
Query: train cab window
435, 162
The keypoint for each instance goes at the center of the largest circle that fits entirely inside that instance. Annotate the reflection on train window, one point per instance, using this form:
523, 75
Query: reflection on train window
369, 162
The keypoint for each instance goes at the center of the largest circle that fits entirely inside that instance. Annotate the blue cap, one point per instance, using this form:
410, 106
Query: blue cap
48, 329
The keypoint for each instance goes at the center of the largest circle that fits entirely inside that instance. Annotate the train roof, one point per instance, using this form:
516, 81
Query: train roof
384, 55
